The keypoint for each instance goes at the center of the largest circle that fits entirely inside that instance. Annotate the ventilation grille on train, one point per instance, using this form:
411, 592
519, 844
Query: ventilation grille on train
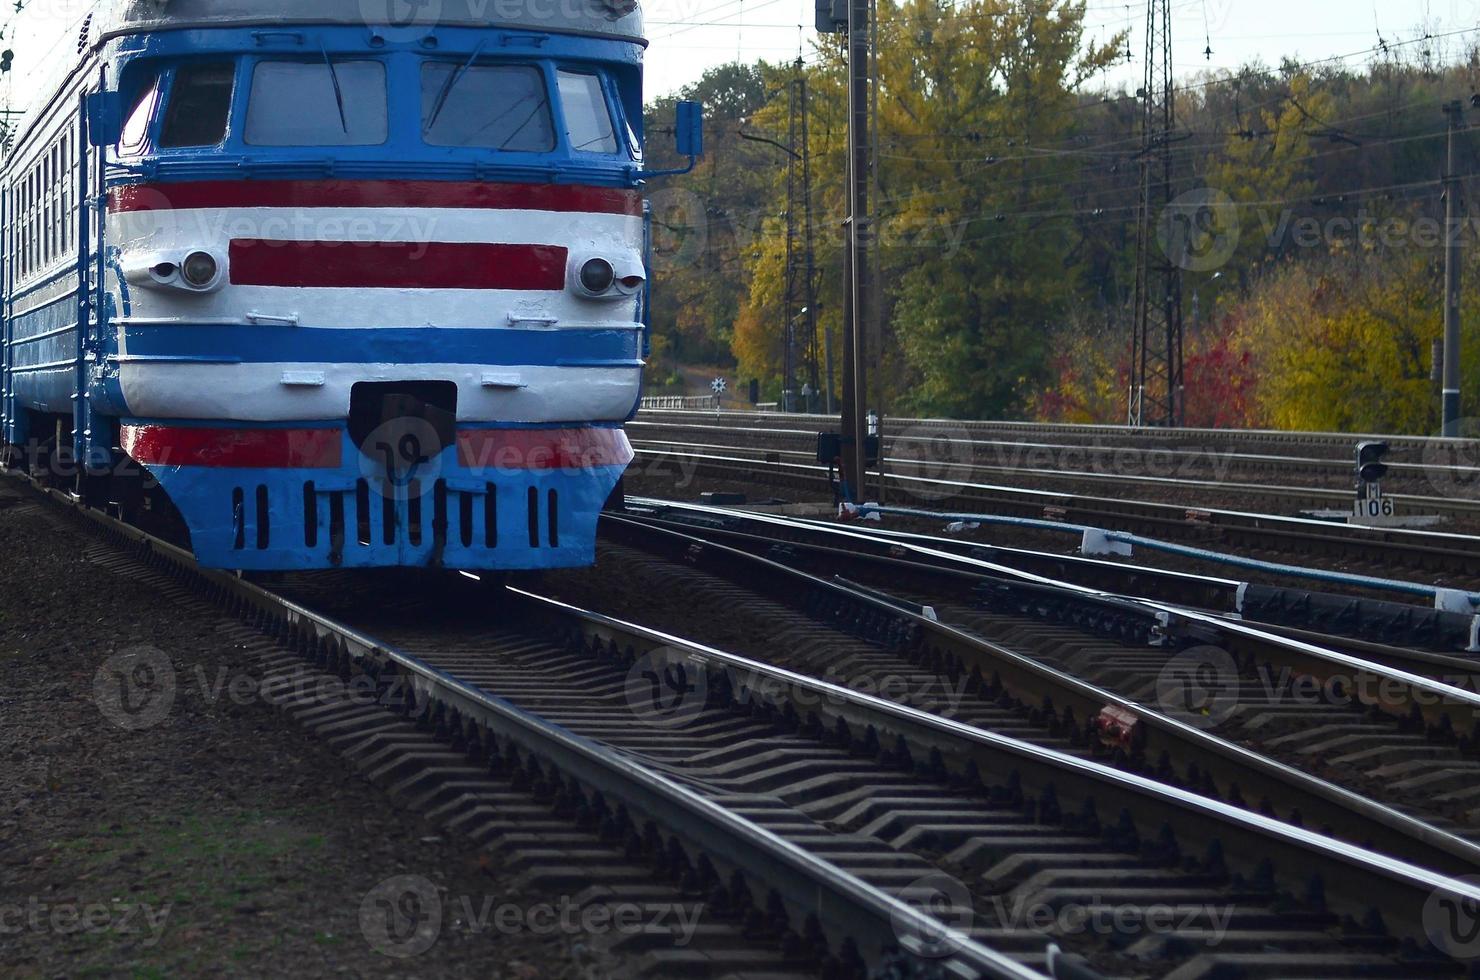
336, 519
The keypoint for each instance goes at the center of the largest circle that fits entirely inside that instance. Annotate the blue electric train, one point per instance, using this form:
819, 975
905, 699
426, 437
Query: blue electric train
353, 291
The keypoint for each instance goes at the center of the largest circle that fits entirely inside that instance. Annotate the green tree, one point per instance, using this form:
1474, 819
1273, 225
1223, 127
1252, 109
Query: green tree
704, 222
973, 99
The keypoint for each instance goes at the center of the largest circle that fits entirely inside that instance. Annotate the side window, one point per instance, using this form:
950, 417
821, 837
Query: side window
53, 202
588, 120
136, 122
313, 104
37, 191
199, 105
31, 220
36, 217
68, 176
504, 107
47, 172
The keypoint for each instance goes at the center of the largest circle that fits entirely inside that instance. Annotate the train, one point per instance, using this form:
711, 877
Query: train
346, 288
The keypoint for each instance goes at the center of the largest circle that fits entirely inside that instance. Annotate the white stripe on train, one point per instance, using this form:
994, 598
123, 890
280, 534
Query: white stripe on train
311, 391
148, 236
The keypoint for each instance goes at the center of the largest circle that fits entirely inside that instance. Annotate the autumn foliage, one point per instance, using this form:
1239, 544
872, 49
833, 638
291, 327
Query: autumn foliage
1008, 178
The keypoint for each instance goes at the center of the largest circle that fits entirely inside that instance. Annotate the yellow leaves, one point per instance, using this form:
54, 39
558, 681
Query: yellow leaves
977, 133
1341, 343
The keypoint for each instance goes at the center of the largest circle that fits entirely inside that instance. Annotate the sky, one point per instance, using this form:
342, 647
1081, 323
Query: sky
689, 36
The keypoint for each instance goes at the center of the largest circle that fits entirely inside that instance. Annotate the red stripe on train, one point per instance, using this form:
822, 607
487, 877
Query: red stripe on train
397, 265
164, 445
212, 194
477, 449
542, 449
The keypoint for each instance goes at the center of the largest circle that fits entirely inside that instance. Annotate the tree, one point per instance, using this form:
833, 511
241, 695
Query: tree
704, 223
972, 97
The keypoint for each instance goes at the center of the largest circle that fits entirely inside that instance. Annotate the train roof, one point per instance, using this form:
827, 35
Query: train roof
620, 19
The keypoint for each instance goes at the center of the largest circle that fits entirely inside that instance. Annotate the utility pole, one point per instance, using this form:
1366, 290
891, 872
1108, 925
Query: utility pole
858, 294
1156, 389
874, 322
1456, 113
801, 265
791, 304
810, 290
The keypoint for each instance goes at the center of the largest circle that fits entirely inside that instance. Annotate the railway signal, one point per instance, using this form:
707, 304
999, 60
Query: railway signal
1370, 470
1370, 467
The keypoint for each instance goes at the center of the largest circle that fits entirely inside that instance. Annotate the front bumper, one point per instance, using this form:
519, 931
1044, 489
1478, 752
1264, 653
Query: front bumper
279, 498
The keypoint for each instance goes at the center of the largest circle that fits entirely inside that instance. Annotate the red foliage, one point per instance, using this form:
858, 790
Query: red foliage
1219, 380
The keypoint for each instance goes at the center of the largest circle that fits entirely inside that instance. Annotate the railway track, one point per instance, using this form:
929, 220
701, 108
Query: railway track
812, 822
569, 810
1445, 556
1391, 730
1307, 485
1208, 468
1335, 446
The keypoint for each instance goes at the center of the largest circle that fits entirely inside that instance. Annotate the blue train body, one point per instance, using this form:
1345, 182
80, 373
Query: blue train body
354, 293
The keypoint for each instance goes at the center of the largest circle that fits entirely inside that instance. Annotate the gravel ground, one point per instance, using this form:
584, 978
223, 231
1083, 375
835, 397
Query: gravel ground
221, 840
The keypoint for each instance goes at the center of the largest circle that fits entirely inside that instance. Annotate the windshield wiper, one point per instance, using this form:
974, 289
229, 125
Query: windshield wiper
448, 85
527, 120
338, 92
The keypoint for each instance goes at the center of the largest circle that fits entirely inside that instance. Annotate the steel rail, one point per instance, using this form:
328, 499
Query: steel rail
1349, 876
1342, 465
1272, 436
1202, 591
1292, 495
1416, 678
970, 559
1185, 590
847, 907
1322, 803
1197, 817
1427, 550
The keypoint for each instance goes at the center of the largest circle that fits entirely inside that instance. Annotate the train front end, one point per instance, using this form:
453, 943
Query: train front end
376, 291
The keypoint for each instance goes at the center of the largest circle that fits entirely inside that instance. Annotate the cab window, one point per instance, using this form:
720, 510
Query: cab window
504, 107
342, 103
200, 102
588, 120
136, 122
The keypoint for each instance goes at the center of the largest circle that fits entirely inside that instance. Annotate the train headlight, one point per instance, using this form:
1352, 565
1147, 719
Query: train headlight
200, 269
597, 275
196, 271
613, 277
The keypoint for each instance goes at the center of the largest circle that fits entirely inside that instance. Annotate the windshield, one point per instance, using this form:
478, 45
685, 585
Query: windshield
588, 121
504, 107
200, 102
309, 104
136, 123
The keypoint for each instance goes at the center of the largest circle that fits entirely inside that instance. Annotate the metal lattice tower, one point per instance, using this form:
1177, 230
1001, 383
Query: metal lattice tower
801, 300
1156, 388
